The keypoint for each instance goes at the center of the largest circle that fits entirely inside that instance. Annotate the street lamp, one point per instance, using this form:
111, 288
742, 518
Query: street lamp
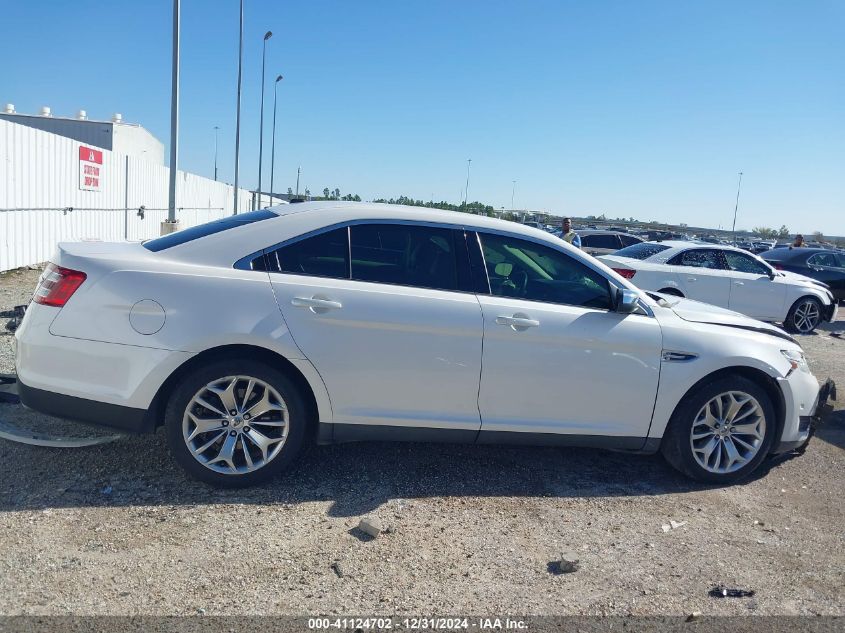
171, 225
216, 127
238, 118
739, 184
466, 190
273, 150
267, 36
513, 191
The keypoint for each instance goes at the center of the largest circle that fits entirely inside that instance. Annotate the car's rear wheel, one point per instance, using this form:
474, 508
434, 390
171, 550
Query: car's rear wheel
722, 431
235, 422
804, 315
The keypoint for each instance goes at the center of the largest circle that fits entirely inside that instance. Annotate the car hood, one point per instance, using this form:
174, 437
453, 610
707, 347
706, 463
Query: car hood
697, 312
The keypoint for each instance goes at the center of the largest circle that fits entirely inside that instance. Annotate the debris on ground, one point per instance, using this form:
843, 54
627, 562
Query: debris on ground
337, 569
567, 564
672, 525
720, 591
371, 526
693, 616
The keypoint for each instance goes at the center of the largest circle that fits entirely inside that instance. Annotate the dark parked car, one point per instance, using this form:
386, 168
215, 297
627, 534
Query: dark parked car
822, 264
605, 242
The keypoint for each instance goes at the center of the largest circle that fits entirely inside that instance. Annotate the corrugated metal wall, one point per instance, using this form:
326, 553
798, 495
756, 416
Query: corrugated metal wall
39, 176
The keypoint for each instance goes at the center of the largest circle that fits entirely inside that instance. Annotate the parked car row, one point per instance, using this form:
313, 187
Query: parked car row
731, 278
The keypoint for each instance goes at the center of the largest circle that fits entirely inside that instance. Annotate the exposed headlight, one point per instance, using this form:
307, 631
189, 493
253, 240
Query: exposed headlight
796, 358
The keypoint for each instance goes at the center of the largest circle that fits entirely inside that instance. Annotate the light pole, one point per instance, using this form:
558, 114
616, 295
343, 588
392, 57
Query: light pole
739, 184
216, 127
267, 36
170, 225
273, 150
513, 191
466, 190
238, 119
298, 171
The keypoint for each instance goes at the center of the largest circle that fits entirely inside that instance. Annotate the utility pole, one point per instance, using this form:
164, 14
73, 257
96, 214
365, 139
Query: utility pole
736, 208
216, 127
298, 171
513, 191
238, 118
171, 224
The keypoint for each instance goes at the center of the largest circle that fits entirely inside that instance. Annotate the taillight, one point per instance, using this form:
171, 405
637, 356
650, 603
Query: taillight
627, 273
777, 266
57, 285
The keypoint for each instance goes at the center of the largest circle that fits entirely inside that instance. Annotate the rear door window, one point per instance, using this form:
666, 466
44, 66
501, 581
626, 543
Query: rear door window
698, 258
322, 255
404, 254
823, 259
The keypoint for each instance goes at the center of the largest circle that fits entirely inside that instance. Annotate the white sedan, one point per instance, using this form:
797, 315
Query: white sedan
249, 337
727, 277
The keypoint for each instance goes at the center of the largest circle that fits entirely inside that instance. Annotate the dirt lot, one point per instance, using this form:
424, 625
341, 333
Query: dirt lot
118, 529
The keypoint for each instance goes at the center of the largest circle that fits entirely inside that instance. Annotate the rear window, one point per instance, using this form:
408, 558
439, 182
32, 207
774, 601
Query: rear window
643, 250
210, 228
600, 240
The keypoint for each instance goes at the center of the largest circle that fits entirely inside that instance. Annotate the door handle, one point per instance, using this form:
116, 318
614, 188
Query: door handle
517, 322
691, 279
317, 305
739, 283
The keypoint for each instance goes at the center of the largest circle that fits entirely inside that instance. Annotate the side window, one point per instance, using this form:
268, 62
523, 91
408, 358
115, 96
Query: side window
742, 263
323, 255
823, 259
525, 270
698, 258
629, 240
599, 240
404, 254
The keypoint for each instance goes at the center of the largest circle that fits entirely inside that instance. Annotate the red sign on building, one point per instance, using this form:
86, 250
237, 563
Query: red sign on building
90, 168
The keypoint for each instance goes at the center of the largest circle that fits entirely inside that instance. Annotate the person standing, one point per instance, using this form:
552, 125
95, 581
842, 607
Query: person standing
568, 235
799, 241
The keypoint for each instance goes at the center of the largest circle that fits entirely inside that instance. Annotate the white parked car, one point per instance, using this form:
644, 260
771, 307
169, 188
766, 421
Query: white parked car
249, 337
727, 277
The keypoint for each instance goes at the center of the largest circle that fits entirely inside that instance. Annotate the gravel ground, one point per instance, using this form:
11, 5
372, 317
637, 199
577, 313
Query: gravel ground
117, 529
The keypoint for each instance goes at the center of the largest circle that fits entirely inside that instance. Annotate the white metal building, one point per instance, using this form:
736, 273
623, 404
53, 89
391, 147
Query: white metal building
129, 139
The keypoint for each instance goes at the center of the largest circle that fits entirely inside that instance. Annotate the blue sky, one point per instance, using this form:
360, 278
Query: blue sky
644, 109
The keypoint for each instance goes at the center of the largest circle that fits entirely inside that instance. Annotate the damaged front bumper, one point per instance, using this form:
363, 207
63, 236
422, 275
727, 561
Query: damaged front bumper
808, 424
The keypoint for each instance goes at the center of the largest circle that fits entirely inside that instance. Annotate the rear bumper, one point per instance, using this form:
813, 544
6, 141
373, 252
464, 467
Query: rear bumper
126, 419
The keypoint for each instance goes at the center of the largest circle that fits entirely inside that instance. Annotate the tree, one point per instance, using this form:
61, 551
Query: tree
783, 233
307, 192
326, 193
336, 193
765, 232
818, 236
290, 191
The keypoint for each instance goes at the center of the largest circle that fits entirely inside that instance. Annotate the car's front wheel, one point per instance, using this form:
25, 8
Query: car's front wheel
721, 431
235, 422
804, 316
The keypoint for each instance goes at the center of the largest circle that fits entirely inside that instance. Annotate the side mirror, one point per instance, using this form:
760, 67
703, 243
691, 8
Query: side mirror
627, 301
772, 275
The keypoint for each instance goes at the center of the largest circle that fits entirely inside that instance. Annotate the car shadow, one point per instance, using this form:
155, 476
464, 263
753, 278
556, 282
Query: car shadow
832, 430
354, 479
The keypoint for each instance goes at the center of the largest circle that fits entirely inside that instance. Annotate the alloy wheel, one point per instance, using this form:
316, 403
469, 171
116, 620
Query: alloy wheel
807, 316
235, 425
728, 432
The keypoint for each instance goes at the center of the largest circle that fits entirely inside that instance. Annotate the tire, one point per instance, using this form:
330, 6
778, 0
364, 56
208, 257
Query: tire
237, 441
677, 445
801, 310
672, 291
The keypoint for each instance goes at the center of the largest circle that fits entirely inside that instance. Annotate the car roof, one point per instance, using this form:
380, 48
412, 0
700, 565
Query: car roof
802, 252
677, 246
604, 232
